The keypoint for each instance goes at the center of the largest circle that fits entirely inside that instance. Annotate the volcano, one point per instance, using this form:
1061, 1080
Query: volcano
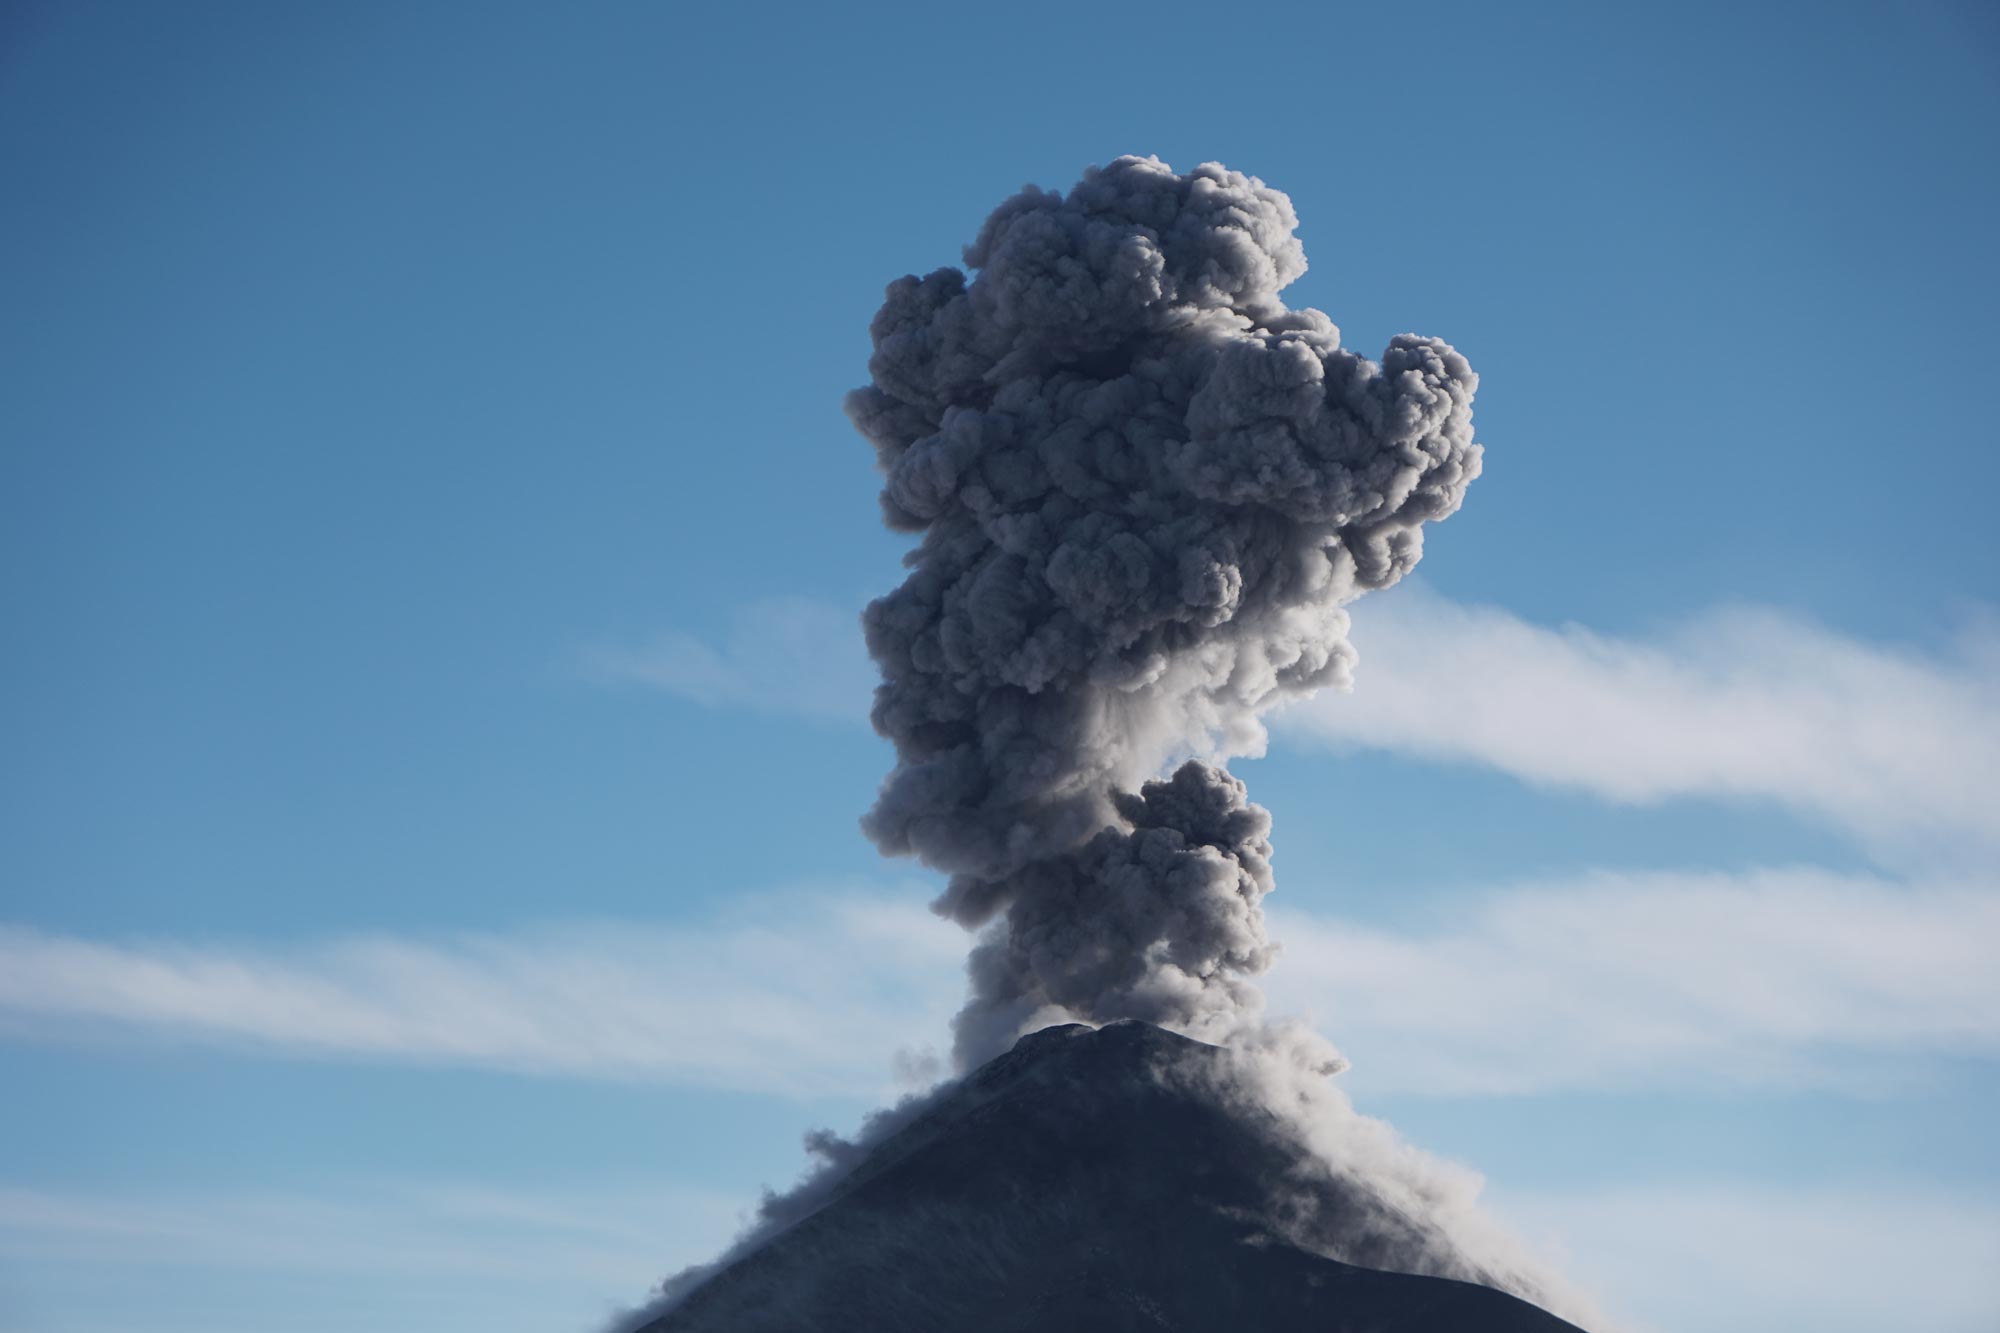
1095, 1180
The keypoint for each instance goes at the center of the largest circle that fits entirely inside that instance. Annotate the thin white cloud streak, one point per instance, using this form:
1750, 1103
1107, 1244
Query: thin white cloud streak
1894, 745
388, 1255
1684, 1257
1890, 744
618, 1236
1729, 1257
1772, 978
800, 994
1615, 982
786, 655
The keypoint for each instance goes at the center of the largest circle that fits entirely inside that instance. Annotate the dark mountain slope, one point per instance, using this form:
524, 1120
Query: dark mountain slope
1087, 1181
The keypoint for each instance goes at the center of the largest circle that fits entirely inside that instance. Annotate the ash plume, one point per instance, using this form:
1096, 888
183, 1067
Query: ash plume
1146, 489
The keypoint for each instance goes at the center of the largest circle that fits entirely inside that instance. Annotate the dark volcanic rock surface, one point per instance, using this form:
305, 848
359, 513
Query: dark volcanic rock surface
1085, 1182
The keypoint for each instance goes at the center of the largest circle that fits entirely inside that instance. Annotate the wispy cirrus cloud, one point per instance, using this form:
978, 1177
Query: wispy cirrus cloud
389, 1226
1745, 1257
1892, 744
797, 994
1606, 982
1723, 1256
1774, 978
331, 1256
1897, 746
788, 655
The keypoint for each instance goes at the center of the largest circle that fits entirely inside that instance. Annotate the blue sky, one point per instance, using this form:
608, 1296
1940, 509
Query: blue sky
429, 545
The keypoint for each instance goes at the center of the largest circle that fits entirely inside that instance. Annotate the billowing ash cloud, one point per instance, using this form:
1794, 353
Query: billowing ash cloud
1146, 489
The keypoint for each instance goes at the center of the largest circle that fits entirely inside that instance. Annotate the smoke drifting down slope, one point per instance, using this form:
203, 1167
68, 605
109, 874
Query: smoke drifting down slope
1146, 491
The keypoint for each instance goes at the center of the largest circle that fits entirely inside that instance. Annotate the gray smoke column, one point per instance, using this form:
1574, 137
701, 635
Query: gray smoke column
1146, 489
